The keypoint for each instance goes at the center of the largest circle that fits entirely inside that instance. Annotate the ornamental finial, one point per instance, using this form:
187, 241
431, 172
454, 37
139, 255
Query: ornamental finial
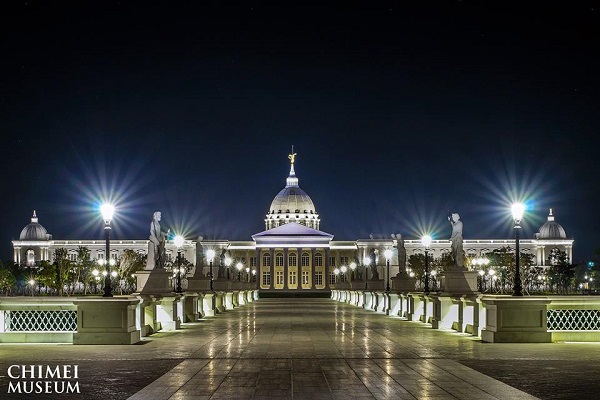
292, 156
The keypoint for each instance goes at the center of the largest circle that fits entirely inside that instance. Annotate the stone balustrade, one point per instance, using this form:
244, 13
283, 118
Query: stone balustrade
493, 318
112, 320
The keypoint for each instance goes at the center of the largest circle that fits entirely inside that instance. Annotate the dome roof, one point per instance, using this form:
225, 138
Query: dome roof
34, 231
551, 229
291, 200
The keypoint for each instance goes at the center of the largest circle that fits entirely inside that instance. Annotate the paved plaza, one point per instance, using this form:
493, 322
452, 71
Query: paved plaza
315, 349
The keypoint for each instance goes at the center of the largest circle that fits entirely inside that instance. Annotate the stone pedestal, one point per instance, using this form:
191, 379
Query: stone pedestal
199, 284
168, 313
403, 283
458, 282
516, 320
190, 307
146, 314
154, 281
375, 284
106, 321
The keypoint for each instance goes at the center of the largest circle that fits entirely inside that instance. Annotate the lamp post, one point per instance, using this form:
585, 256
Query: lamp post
426, 241
178, 240
239, 267
343, 271
337, 273
352, 269
388, 257
517, 211
107, 211
366, 263
210, 255
228, 262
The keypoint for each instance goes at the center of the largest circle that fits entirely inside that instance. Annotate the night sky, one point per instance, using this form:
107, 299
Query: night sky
399, 112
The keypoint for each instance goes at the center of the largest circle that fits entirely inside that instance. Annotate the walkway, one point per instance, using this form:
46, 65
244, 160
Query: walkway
317, 349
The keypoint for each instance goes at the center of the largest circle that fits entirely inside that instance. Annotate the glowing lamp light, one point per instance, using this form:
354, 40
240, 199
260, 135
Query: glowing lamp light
433, 273
31, 282
343, 269
239, 266
114, 274
210, 255
426, 241
352, 265
517, 212
367, 260
112, 261
248, 270
387, 254
336, 271
95, 272
178, 241
107, 211
481, 272
228, 261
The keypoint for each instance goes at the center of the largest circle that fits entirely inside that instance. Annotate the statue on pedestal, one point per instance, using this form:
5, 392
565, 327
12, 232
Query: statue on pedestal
456, 239
374, 272
156, 245
401, 253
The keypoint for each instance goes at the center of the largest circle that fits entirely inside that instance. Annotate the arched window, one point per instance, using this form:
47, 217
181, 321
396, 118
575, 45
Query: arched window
279, 260
305, 260
318, 260
30, 257
266, 260
293, 260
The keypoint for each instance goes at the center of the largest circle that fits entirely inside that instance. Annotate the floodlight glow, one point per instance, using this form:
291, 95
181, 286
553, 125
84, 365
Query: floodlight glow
387, 254
210, 254
426, 241
178, 241
107, 211
517, 211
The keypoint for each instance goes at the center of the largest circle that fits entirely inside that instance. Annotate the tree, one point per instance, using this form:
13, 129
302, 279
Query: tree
62, 269
561, 271
130, 263
7, 281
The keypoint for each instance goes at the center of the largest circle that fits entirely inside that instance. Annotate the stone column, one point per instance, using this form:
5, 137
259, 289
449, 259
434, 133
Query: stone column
326, 273
272, 269
285, 269
312, 267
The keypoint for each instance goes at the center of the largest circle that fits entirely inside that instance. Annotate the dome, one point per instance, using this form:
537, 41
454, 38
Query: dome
34, 231
292, 200
292, 204
551, 229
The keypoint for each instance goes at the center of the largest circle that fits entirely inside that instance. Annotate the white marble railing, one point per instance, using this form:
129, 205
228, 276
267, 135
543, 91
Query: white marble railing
113, 320
493, 318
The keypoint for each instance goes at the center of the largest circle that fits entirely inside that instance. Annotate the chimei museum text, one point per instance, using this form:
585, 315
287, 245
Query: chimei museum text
46, 379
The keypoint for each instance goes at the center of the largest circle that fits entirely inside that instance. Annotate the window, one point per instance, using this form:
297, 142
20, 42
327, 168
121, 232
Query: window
331, 278
253, 262
73, 256
342, 277
292, 260
279, 277
319, 278
332, 261
318, 260
266, 260
100, 255
279, 260
305, 277
266, 279
305, 260
292, 278
344, 261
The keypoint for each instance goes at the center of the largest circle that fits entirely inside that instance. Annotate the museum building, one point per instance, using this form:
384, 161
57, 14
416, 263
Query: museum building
291, 253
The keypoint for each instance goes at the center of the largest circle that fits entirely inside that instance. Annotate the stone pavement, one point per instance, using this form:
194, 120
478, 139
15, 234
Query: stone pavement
317, 349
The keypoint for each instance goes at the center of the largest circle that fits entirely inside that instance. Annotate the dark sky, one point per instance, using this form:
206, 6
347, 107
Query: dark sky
399, 113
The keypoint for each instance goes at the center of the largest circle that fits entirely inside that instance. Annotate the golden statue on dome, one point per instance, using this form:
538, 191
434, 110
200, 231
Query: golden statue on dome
292, 156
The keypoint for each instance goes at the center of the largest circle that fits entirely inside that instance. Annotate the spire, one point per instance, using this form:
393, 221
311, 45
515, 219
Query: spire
292, 180
550, 216
34, 218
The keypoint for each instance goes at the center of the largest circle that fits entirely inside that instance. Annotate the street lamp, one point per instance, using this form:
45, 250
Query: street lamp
239, 267
517, 211
210, 255
107, 211
426, 241
352, 268
178, 241
343, 270
366, 263
388, 257
228, 262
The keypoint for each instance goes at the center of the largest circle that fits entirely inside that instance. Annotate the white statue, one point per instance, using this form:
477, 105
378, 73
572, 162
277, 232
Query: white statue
156, 246
456, 239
